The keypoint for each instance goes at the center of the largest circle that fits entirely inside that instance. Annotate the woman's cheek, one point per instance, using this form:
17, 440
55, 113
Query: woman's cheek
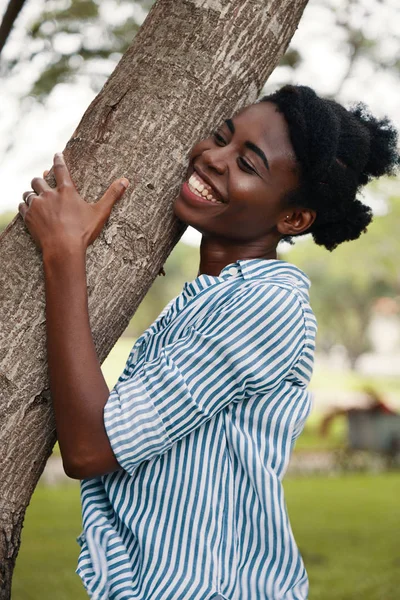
200, 147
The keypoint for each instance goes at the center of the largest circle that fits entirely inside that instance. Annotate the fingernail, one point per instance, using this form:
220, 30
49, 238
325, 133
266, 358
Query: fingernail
124, 182
59, 154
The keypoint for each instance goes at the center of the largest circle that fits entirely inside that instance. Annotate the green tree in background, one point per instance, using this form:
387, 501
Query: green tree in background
346, 283
74, 38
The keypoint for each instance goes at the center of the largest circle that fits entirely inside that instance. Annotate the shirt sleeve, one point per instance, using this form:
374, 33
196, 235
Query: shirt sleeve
247, 346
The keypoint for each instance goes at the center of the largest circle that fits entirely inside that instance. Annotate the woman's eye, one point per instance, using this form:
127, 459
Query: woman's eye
219, 139
245, 165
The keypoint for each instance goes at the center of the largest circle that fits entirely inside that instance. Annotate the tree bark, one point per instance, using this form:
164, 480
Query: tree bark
193, 63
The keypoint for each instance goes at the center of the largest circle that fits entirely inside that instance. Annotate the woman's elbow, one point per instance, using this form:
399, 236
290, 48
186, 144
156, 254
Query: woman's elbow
74, 470
89, 469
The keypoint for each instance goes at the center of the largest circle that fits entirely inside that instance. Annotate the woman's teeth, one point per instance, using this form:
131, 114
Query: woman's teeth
197, 187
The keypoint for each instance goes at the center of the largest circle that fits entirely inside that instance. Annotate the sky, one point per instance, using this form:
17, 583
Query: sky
41, 130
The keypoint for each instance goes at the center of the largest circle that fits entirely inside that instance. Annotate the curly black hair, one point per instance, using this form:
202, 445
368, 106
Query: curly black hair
338, 151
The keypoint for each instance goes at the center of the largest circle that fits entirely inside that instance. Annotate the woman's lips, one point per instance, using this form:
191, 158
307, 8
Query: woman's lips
200, 181
194, 199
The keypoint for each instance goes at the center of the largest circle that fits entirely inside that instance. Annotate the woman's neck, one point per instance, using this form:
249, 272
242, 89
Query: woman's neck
215, 254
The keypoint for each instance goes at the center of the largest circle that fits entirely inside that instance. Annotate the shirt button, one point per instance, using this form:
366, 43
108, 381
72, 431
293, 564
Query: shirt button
233, 271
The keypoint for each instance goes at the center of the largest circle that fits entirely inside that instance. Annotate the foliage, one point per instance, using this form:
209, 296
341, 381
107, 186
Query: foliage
346, 529
87, 37
360, 40
75, 37
346, 283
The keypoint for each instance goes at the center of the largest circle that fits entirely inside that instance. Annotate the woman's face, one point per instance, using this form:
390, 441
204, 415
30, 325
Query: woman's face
247, 165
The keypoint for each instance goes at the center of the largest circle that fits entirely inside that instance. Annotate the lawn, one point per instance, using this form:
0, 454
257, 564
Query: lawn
347, 529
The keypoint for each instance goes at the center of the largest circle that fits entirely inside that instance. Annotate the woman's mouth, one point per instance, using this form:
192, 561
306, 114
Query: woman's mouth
201, 188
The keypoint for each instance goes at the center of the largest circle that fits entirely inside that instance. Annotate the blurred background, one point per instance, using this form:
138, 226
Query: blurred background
343, 484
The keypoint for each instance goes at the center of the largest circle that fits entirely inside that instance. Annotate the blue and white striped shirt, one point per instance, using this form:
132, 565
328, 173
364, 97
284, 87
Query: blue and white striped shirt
203, 420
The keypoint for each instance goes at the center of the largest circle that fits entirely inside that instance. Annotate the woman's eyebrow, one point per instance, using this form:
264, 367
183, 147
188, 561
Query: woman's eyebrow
249, 145
230, 125
258, 151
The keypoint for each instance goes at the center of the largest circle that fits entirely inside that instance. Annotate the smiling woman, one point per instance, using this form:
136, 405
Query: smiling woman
249, 165
289, 165
182, 462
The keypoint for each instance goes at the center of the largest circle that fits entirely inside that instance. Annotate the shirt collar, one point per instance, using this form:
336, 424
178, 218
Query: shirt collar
259, 268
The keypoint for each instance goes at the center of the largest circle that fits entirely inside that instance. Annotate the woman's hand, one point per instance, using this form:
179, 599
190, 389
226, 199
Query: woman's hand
59, 218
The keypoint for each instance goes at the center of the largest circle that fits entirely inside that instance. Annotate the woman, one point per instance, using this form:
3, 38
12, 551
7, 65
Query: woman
182, 462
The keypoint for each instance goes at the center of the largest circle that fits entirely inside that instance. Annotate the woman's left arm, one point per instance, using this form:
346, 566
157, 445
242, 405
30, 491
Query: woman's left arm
63, 225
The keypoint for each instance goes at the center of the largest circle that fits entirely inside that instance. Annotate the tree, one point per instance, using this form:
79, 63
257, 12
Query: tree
192, 63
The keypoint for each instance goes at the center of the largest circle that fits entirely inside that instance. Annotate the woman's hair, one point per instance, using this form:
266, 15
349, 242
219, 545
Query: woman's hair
338, 151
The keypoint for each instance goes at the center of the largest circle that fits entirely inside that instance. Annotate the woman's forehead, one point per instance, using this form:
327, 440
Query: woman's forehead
263, 124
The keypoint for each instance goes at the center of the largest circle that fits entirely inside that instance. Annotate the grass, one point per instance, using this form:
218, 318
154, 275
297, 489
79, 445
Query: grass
47, 559
346, 528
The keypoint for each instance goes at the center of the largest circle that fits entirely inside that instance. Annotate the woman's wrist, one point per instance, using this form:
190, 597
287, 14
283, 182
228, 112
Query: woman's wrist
63, 255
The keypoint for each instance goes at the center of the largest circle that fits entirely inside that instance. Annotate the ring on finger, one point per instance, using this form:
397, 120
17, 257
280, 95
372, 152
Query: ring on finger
26, 198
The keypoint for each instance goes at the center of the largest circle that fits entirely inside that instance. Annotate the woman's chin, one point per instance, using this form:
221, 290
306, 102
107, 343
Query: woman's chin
183, 214
178, 208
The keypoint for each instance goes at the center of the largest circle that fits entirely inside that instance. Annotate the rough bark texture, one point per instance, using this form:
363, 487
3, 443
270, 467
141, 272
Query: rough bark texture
193, 63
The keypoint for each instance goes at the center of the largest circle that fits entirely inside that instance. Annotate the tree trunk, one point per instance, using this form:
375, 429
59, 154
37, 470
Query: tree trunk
193, 63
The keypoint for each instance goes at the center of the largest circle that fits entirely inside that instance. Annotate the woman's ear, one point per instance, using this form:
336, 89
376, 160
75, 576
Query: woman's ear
295, 221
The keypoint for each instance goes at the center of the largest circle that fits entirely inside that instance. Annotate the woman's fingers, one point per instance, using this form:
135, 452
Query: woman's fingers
28, 196
61, 172
45, 173
39, 185
113, 193
22, 208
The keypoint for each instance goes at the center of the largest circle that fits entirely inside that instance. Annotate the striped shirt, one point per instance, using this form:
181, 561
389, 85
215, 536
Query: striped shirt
202, 421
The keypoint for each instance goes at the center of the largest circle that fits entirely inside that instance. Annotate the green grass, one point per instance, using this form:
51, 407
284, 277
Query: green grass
47, 559
347, 529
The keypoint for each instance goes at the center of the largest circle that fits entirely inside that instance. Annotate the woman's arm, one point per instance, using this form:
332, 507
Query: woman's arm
63, 225
79, 391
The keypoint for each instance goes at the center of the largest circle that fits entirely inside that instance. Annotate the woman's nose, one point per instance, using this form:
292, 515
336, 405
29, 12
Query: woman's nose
215, 158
